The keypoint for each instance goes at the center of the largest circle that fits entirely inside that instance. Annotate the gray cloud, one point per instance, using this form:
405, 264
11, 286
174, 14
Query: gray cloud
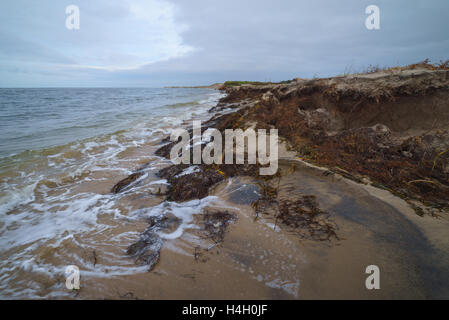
199, 41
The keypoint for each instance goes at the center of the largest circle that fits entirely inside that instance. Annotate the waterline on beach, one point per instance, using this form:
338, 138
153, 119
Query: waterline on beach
56, 208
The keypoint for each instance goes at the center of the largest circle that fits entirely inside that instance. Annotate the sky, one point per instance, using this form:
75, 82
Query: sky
154, 43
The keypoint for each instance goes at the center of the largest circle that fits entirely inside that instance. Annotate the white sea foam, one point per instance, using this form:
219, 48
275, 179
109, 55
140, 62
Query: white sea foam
189, 170
183, 211
289, 287
41, 206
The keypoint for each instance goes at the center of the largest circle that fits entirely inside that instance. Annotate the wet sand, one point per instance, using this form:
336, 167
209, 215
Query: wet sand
258, 261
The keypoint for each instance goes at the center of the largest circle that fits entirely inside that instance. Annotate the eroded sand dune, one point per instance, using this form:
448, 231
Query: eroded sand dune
363, 179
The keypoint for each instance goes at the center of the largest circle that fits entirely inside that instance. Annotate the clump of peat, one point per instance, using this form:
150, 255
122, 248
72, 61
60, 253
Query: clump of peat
196, 185
123, 184
304, 217
146, 251
215, 224
300, 216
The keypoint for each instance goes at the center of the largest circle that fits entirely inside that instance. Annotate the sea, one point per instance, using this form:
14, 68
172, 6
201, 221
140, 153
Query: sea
61, 152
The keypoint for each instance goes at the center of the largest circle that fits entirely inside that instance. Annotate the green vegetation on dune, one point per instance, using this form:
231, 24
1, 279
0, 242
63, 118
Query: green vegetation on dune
254, 83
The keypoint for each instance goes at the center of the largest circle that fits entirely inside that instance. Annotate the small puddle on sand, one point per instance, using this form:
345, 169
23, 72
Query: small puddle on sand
254, 259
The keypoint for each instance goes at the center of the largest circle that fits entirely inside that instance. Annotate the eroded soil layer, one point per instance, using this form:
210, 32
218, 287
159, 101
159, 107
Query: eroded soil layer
390, 127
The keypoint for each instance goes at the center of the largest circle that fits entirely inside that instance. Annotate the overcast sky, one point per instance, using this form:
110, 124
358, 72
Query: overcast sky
155, 43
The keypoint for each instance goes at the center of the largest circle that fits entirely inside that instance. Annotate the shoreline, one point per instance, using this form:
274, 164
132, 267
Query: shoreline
329, 229
224, 231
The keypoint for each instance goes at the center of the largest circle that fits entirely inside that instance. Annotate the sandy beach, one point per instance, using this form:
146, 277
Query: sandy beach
310, 231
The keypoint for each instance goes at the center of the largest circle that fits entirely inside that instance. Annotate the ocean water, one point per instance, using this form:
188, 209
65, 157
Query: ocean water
33, 119
61, 151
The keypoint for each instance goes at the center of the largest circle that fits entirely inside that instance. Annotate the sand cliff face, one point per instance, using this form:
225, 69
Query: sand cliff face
405, 101
389, 127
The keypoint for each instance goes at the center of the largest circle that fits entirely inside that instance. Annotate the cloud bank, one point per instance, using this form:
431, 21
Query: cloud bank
162, 42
